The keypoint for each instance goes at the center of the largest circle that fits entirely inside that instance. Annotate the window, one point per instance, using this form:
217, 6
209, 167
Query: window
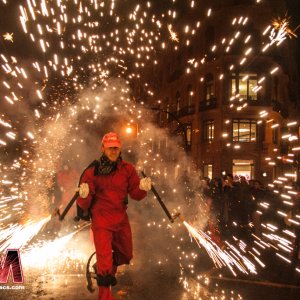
188, 134
178, 100
207, 171
245, 85
275, 135
164, 113
208, 134
190, 95
168, 110
244, 131
209, 90
242, 167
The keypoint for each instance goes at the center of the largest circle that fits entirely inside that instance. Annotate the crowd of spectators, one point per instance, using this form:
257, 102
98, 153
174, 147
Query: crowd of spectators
235, 204
242, 207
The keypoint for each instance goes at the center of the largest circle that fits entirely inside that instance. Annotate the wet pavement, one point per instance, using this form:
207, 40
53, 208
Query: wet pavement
157, 272
73, 287
134, 286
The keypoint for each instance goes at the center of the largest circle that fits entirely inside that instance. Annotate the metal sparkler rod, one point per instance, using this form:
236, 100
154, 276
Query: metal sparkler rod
63, 214
162, 204
82, 216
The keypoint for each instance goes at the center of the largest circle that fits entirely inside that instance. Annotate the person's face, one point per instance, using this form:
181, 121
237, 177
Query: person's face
112, 153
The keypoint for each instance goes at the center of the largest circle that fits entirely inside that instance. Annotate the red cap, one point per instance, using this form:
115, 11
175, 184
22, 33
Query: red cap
111, 139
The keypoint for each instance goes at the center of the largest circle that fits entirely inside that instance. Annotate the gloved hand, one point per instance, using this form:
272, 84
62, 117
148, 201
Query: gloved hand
83, 190
145, 184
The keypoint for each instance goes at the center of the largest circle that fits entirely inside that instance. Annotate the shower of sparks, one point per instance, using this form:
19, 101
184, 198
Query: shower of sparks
50, 253
173, 34
191, 61
17, 236
283, 24
8, 37
281, 30
221, 258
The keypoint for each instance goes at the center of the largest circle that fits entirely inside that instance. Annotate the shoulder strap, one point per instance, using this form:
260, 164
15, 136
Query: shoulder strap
95, 164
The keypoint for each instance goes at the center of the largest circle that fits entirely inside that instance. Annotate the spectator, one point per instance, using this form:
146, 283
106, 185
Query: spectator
258, 194
230, 190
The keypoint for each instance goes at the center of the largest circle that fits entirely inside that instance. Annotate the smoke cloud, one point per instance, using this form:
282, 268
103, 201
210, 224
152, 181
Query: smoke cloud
71, 137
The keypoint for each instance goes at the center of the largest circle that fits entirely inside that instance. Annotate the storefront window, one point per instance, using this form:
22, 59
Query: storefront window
242, 168
207, 171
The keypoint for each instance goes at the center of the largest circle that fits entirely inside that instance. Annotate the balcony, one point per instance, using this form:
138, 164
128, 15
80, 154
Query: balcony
258, 102
252, 102
185, 111
208, 104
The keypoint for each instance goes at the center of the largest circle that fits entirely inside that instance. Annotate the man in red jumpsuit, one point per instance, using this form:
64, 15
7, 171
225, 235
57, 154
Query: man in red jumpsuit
104, 189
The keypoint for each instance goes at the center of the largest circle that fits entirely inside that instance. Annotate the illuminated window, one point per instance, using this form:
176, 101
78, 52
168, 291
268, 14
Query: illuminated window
209, 88
190, 95
244, 130
207, 171
188, 134
244, 84
208, 130
242, 167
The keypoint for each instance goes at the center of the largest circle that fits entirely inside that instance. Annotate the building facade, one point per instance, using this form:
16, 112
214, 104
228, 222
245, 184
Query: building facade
233, 90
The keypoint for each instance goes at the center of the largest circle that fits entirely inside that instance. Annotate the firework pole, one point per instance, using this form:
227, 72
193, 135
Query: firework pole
162, 204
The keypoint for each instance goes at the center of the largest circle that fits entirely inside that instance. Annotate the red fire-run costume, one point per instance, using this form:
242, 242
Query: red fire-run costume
111, 229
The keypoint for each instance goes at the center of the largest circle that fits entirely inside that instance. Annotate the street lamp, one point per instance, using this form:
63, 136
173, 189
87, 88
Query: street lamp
130, 130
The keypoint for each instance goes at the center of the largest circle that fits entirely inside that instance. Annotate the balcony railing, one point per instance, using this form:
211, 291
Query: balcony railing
208, 104
185, 111
276, 105
253, 102
259, 102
